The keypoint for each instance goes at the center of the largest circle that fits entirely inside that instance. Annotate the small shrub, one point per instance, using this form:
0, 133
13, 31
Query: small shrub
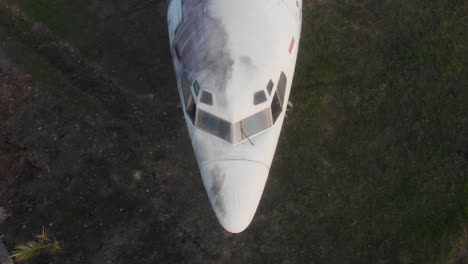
42, 244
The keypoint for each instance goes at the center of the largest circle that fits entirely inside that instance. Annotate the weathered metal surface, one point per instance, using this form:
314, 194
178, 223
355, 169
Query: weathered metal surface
202, 42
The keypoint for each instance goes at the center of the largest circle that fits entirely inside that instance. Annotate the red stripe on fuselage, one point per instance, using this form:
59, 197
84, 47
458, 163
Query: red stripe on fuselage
291, 46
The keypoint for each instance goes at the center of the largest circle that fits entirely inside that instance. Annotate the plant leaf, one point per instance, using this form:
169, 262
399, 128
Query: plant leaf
44, 236
26, 251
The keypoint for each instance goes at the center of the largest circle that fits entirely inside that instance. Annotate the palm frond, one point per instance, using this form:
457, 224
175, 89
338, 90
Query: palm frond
44, 236
26, 251
33, 248
55, 247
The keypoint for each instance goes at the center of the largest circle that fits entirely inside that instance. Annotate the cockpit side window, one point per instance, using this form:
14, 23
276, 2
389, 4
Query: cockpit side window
277, 104
276, 108
281, 89
189, 102
259, 97
192, 110
196, 87
186, 90
206, 98
270, 87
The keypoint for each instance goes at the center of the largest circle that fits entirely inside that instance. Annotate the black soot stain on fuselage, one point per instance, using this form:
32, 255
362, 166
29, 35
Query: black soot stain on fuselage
202, 41
216, 190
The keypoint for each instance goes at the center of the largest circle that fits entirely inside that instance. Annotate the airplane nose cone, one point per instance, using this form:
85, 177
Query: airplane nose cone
234, 188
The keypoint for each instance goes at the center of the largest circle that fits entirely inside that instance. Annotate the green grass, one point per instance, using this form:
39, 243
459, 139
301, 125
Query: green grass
380, 116
63, 17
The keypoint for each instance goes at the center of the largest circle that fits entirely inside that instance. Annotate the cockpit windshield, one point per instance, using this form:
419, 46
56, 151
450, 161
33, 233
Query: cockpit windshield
248, 127
214, 125
252, 125
234, 132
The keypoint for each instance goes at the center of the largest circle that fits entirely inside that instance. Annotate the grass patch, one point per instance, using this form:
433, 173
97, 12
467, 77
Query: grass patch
63, 17
378, 128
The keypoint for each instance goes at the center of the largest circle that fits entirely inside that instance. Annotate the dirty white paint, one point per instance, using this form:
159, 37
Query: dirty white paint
174, 17
232, 49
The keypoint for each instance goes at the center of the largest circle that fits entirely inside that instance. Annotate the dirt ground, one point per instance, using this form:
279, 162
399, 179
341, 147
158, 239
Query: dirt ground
112, 174
94, 147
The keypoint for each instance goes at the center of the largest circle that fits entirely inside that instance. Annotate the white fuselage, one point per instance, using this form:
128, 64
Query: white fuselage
234, 63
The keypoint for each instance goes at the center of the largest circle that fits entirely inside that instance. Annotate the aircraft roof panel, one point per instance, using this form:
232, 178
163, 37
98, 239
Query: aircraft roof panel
236, 49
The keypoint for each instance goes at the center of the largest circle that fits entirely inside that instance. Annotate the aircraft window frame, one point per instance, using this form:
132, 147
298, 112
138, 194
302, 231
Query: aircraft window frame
206, 98
192, 110
186, 91
270, 86
259, 97
277, 104
234, 132
250, 126
196, 87
276, 108
281, 87
190, 106
214, 125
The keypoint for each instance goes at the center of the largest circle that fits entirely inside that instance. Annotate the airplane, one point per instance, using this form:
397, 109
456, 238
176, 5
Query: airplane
234, 62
